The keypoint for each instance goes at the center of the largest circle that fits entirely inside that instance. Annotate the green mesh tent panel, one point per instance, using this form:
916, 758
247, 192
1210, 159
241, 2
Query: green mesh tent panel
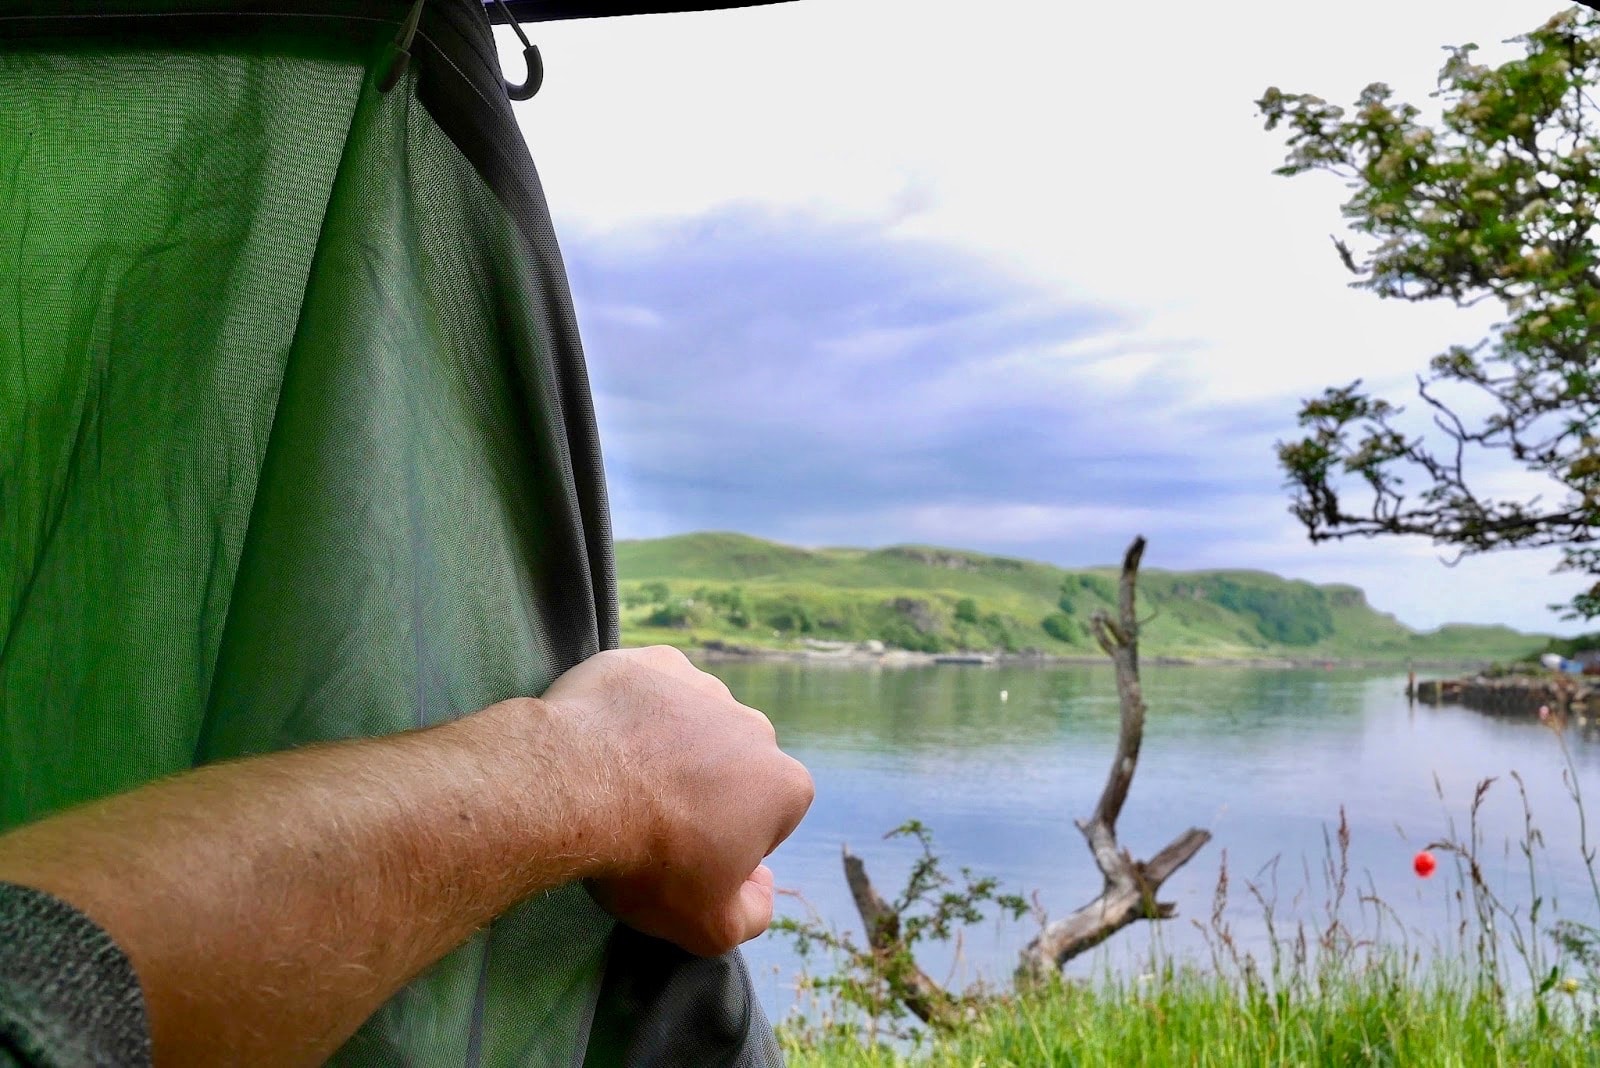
296, 444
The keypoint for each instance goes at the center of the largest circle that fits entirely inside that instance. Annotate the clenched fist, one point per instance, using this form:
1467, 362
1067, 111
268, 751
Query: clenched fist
699, 794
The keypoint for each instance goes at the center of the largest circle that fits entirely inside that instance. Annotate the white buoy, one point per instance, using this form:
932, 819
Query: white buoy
1005, 695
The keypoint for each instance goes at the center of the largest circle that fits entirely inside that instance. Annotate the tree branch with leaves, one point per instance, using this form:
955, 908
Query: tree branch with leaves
1494, 202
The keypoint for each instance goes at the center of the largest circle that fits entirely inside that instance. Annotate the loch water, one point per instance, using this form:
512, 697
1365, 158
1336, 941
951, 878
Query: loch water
1265, 759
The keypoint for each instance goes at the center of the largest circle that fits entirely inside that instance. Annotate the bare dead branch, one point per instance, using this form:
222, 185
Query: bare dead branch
1130, 888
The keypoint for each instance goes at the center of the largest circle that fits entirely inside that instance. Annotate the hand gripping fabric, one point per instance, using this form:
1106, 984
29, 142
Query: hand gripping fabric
296, 444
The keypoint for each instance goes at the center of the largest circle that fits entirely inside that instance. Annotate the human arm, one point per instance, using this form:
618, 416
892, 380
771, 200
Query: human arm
270, 905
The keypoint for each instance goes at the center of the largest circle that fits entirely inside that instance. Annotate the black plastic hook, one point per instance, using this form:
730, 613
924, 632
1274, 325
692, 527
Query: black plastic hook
530, 57
530, 85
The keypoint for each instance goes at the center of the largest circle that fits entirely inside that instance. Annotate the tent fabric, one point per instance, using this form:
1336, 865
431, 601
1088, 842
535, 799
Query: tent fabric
296, 444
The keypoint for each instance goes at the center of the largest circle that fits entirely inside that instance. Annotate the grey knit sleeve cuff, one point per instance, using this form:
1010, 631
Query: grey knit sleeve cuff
68, 995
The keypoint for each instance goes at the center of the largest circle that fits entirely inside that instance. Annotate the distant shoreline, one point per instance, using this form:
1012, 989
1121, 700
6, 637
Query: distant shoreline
761, 599
897, 658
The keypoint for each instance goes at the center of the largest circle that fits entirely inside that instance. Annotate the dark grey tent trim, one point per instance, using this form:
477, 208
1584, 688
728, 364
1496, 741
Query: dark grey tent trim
558, 10
384, 10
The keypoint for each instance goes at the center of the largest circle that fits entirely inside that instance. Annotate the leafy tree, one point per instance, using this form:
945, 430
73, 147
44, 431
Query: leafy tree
1093, 585
730, 602
789, 615
1061, 627
634, 595
1000, 631
1496, 201
1288, 613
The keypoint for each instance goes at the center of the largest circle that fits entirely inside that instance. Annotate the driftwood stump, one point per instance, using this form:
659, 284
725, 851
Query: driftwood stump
1130, 889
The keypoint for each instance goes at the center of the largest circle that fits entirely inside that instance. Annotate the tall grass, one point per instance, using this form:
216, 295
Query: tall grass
1511, 984
1374, 1016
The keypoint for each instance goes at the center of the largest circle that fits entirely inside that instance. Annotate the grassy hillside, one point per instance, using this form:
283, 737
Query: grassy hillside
694, 588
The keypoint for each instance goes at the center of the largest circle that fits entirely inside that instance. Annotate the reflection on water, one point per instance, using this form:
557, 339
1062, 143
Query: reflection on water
1262, 758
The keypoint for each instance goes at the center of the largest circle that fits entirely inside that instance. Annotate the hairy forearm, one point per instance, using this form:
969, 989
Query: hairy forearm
270, 905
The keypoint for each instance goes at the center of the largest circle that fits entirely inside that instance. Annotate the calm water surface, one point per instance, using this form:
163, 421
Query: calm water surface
1264, 759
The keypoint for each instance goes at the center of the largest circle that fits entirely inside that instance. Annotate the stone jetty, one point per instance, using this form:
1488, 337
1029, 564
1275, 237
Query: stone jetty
1575, 695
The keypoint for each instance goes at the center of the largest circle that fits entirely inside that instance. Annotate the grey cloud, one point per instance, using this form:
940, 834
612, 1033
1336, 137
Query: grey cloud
794, 379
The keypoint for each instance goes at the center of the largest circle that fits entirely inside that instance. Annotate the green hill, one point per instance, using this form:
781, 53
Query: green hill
694, 588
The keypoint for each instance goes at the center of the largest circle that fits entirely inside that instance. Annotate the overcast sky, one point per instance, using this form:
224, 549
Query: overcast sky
1014, 276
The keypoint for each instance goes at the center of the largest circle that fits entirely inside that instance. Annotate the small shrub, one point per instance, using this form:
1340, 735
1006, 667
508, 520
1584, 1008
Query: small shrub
1061, 627
680, 613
